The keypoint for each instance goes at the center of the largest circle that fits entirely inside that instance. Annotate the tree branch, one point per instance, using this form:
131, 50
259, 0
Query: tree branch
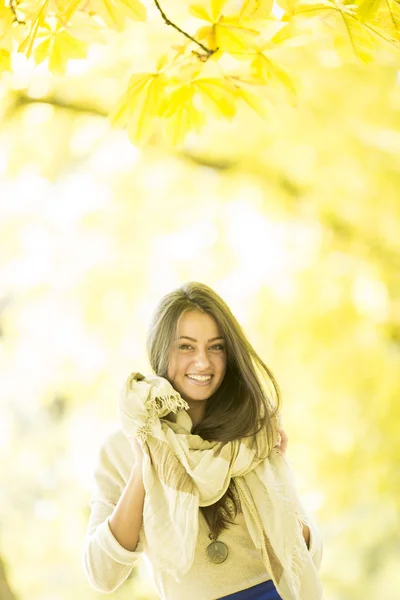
208, 51
20, 100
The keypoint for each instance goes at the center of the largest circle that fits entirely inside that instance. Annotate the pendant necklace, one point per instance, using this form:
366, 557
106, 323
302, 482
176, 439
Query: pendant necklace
217, 551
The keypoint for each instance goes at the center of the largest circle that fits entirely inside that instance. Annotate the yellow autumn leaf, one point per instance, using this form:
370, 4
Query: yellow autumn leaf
255, 101
206, 85
207, 36
127, 103
354, 41
387, 21
65, 47
291, 34
58, 60
209, 13
67, 8
58, 46
5, 60
181, 116
256, 9
309, 10
42, 51
216, 8
232, 34
134, 9
233, 37
181, 95
269, 72
142, 121
163, 61
140, 105
8, 33
251, 93
184, 121
28, 10
174, 55
288, 6
351, 38
114, 12
366, 9
40, 21
6, 17
3, 10
213, 10
110, 12
71, 46
200, 12
85, 28
218, 96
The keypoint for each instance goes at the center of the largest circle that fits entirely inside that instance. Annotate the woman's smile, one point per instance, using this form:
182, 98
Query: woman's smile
201, 380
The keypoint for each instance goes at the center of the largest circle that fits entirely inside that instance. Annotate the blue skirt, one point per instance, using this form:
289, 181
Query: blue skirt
262, 591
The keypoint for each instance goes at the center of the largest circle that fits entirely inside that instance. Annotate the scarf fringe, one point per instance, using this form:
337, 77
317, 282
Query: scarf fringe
160, 405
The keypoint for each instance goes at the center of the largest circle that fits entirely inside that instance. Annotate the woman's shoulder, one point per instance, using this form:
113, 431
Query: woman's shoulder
115, 438
116, 452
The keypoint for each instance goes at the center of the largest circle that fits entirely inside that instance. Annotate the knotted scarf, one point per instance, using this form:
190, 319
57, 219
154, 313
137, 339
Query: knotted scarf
181, 472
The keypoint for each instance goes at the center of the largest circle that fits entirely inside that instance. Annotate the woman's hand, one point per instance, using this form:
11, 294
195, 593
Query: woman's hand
283, 443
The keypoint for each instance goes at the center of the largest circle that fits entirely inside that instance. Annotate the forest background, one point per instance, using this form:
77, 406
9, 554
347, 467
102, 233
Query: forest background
263, 162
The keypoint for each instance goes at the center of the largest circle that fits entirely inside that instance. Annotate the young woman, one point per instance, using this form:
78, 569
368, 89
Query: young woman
183, 482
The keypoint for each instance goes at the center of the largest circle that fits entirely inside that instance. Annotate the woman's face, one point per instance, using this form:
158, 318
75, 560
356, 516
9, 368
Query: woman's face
197, 361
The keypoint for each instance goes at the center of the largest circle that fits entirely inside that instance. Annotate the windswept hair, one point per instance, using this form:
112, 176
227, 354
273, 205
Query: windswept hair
248, 398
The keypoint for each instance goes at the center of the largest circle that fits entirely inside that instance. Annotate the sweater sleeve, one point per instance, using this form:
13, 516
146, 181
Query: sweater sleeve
316, 540
316, 543
106, 563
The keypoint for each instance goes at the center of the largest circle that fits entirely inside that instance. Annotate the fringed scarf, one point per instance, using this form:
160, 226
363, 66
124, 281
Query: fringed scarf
182, 471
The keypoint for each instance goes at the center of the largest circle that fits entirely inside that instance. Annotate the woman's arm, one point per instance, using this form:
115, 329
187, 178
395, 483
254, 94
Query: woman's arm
109, 553
127, 517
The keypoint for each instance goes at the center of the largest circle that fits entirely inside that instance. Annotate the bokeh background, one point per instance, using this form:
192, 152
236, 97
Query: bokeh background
294, 220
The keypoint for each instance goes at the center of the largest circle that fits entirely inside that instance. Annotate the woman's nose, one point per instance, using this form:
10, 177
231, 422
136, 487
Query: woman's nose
202, 360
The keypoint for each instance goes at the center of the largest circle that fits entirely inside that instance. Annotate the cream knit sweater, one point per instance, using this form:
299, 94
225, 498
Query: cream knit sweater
107, 564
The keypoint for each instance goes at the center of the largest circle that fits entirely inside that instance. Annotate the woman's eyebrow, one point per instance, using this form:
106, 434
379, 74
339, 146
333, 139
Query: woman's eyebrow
193, 340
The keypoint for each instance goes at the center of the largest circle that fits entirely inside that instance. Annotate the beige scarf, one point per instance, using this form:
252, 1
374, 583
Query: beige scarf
182, 471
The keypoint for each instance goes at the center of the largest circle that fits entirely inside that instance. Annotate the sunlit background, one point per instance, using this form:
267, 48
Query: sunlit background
294, 221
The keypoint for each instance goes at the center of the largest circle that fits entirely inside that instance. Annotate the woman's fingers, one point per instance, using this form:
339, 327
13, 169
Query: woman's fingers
284, 441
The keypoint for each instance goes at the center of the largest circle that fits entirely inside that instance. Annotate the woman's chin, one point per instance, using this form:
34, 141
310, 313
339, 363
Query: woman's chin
196, 393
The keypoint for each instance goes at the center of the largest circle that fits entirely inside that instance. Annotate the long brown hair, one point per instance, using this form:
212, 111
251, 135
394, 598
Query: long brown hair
248, 397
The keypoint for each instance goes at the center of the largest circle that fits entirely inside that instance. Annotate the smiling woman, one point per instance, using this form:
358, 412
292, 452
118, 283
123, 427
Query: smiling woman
193, 331
199, 459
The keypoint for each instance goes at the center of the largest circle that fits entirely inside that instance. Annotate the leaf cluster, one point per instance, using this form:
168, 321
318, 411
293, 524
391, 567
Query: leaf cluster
231, 57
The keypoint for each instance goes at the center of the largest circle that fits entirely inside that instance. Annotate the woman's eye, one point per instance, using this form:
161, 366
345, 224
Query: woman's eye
215, 347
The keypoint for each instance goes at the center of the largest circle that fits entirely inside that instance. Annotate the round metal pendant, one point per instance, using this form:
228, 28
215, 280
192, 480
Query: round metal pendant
217, 551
